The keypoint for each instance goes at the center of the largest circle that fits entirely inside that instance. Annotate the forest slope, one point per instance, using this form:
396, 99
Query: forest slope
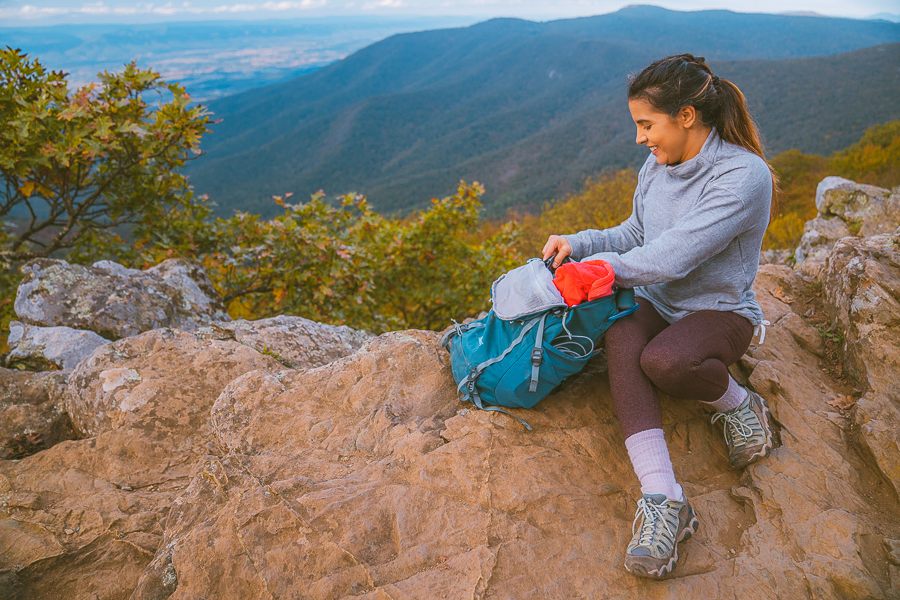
531, 109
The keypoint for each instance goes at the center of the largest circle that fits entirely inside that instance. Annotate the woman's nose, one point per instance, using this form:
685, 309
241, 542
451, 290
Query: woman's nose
640, 138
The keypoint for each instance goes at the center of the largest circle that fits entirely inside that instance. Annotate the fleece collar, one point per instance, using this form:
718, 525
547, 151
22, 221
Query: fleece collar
703, 160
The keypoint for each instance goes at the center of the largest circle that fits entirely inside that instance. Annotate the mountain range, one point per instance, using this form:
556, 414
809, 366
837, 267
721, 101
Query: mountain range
210, 58
532, 109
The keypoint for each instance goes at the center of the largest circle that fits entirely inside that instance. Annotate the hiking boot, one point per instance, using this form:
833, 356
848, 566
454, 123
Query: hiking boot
659, 524
747, 431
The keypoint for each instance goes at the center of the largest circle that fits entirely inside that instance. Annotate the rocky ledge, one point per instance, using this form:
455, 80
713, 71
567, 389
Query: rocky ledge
285, 459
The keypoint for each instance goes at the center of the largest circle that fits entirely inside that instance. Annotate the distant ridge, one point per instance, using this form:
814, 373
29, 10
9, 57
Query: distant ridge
531, 109
801, 13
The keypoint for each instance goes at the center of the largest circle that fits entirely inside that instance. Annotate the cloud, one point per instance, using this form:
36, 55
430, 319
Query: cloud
33, 11
383, 4
29, 11
95, 8
293, 5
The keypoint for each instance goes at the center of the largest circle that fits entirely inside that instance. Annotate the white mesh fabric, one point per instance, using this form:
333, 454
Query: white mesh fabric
524, 291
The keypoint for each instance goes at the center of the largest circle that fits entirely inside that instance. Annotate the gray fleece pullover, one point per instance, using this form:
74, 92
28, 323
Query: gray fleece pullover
693, 239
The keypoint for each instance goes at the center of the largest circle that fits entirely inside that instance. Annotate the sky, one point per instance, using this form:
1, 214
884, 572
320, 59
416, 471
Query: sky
41, 12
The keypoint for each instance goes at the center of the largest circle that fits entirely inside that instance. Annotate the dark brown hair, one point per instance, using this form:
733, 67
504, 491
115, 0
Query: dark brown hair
674, 82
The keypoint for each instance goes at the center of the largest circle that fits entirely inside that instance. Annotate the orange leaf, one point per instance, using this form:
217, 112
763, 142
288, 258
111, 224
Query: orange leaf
26, 188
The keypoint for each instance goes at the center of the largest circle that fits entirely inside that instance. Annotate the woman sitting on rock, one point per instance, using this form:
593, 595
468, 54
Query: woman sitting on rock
691, 250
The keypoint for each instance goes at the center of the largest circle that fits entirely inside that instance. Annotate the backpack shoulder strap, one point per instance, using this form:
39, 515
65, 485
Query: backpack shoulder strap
537, 355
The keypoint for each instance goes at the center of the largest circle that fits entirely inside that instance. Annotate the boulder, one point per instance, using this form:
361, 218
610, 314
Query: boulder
294, 341
42, 348
846, 208
116, 302
867, 209
819, 237
23, 387
31, 414
140, 382
367, 479
862, 292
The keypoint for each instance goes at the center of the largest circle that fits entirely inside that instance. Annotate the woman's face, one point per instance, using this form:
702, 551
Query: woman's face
666, 137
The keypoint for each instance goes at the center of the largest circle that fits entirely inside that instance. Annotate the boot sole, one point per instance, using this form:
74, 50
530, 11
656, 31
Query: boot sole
687, 533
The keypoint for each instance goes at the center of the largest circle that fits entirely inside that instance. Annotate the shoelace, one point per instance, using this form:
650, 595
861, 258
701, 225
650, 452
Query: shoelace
734, 425
653, 514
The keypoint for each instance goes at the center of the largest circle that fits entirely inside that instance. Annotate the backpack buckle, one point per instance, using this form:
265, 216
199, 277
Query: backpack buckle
536, 357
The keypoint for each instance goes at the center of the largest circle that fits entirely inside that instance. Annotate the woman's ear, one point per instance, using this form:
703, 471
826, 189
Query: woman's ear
687, 117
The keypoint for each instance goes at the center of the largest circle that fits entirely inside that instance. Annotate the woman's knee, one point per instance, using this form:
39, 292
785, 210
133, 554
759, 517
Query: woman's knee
667, 365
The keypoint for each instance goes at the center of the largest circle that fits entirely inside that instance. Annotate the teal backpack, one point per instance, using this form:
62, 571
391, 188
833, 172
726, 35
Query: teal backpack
530, 342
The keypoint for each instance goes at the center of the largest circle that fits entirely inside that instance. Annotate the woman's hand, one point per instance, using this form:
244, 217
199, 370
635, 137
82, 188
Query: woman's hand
558, 245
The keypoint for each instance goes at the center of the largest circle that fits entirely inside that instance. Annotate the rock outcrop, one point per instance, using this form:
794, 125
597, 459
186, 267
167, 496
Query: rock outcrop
282, 458
862, 289
116, 302
212, 470
846, 208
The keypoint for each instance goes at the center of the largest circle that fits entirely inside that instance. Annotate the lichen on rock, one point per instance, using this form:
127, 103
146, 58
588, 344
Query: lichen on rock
116, 302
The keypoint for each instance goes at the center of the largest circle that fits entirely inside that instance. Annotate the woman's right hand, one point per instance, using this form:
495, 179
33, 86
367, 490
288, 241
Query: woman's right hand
558, 245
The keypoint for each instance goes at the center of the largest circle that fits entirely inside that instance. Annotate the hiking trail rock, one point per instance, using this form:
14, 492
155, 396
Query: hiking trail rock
116, 302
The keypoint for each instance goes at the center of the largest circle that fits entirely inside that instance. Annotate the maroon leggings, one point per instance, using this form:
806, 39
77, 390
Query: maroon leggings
687, 359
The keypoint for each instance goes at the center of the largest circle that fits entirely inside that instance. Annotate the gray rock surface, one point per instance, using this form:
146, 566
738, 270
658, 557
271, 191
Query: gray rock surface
294, 341
846, 208
819, 236
868, 209
116, 302
46, 348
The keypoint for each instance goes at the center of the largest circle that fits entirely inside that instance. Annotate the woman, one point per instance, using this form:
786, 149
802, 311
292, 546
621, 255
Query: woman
691, 251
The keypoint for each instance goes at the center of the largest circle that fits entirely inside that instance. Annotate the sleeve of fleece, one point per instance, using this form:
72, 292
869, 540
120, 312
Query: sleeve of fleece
621, 238
703, 232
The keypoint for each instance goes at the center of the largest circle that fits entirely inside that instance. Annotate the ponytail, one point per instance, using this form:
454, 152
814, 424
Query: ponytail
681, 80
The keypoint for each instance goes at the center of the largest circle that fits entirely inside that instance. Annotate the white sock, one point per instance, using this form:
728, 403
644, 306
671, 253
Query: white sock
733, 397
650, 458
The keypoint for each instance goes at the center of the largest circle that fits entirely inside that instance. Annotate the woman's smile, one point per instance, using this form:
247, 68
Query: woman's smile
672, 140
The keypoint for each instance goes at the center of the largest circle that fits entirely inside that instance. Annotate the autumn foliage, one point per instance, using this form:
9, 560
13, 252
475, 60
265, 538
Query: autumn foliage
343, 263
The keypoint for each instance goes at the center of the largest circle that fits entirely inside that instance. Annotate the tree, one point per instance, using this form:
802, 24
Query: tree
798, 176
79, 167
875, 159
346, 264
